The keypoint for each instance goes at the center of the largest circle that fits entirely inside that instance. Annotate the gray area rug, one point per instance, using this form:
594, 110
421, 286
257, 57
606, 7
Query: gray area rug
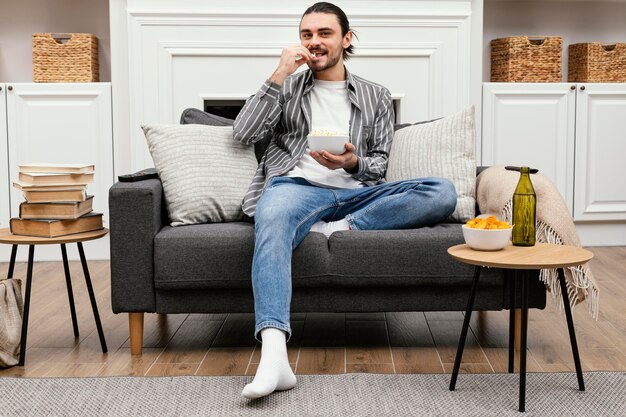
548, 394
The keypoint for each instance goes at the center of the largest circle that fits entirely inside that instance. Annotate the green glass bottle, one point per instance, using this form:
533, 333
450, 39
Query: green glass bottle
524, 211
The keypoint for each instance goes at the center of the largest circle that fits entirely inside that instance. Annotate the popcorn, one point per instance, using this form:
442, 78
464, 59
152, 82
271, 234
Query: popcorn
323, 132
299, 57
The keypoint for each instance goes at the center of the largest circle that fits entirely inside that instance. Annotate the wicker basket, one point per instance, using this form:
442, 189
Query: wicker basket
522, 59
73, 61
597, 63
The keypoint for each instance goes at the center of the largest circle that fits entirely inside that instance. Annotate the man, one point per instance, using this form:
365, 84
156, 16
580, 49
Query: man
296, 190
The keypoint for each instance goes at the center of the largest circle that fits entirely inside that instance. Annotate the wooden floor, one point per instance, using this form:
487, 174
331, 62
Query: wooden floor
321, 343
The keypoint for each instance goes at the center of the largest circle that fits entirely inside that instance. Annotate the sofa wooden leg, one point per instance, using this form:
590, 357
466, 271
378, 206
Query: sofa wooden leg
135, 324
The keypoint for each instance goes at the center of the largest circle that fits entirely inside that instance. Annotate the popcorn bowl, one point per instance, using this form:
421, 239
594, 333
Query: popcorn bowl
487, 239
332, 144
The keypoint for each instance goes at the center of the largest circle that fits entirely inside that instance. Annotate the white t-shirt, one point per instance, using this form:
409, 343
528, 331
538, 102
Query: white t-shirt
330, 111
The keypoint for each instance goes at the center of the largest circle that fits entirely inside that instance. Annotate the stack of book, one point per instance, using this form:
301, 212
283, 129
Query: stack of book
56, 200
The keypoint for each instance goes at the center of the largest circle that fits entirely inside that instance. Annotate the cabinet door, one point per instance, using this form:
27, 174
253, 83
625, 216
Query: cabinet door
61, 123
531, 124
4, 162
600, 182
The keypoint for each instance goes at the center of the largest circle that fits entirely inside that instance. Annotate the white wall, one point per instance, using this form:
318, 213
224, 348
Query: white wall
168, 56
576, 21
21, 18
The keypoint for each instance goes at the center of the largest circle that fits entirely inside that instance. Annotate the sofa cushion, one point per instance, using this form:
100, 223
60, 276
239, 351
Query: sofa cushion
441, 148
411, 257
405, 258
396, 253
204, 171
220, 256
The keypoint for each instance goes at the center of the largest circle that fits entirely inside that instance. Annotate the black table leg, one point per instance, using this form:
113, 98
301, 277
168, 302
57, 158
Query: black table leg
570, 328
466, 321
70, 293
29, 281
512, 282
12, 262
522, 361
92, 297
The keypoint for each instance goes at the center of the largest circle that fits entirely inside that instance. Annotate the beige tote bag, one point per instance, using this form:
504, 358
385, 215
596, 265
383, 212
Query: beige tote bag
11, 311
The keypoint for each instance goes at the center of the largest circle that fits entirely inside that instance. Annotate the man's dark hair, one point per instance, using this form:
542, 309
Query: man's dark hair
329, 8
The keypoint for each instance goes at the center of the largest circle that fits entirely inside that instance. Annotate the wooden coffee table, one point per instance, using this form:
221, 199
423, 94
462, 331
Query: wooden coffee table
8, 238
540, 256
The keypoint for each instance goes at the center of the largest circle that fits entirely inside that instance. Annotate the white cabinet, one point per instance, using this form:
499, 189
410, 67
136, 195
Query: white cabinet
4, 162
58, 123
574, 133
600, 180
531, 124
61, 123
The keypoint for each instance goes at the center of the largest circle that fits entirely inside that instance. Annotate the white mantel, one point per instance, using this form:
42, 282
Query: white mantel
167, 56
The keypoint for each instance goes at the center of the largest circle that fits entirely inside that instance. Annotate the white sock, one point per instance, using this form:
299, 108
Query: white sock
330, 227
274, 372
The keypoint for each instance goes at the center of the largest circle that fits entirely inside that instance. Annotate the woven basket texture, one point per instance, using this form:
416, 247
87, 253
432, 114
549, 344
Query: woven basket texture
73, 61
597, 63
526, 60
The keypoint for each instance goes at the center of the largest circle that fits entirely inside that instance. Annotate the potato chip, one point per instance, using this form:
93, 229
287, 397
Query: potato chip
489, 223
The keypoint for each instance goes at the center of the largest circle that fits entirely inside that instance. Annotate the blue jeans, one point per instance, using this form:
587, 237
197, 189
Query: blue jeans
290, 206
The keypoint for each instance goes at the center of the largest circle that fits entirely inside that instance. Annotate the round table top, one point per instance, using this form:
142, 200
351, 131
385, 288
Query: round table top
540, 256
9, 238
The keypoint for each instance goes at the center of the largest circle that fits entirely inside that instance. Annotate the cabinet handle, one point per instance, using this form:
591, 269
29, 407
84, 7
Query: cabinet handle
582, 87
10, 88
572, 87
0, 88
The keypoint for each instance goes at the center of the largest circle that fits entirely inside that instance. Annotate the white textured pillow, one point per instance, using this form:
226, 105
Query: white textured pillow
443, 148
204, 171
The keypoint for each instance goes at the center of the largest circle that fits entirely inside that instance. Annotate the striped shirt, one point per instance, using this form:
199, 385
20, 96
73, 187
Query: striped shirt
284, 113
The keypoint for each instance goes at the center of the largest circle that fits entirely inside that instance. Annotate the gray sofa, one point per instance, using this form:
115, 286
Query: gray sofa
156, 268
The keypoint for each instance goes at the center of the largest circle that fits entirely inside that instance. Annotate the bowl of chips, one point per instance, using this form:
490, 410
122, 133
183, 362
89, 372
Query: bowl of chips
327, 140
487, 233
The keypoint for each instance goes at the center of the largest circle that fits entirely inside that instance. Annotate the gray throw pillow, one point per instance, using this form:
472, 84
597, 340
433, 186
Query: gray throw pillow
204, 171
199, 117
193, 116
399, 126
442, 148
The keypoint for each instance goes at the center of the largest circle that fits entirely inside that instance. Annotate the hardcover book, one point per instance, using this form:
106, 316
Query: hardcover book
42, 178
53, 196
61, 168
50, 187
54, 228
56, 210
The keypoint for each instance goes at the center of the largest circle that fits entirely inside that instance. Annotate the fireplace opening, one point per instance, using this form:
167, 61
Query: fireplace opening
396, 110
224, 108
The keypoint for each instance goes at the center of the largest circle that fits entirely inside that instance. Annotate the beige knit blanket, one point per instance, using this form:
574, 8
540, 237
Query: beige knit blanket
494, 192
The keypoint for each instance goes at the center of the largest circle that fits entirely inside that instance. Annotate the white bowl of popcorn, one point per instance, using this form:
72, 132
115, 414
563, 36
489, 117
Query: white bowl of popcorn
326, 140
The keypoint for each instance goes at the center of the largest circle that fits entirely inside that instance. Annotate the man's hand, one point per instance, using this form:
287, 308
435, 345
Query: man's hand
346, 160
290, 60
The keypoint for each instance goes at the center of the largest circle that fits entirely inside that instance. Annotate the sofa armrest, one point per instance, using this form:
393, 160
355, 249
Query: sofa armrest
136, 214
